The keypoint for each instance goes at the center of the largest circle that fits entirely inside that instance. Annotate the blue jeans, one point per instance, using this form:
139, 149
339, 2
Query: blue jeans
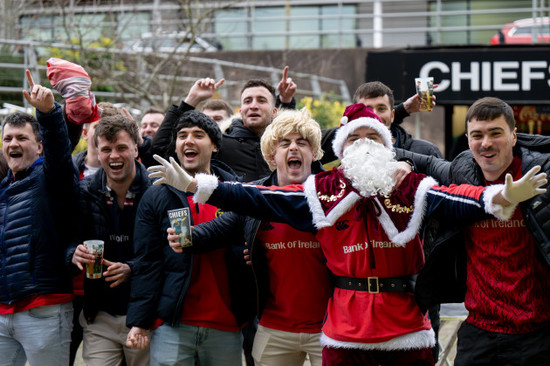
41, 335
182, 345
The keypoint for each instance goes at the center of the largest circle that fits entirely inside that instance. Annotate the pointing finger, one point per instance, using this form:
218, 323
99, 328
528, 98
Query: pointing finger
219, 83
29, 79
285, 72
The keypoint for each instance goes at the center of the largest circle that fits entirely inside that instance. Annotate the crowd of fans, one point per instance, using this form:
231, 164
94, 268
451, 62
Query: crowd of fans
288, 260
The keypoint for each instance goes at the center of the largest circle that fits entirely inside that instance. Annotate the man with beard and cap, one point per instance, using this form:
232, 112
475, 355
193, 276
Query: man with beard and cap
368, 229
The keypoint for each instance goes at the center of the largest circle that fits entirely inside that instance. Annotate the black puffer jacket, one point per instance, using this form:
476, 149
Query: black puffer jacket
37, 207
443, 278
161, 276
96, 222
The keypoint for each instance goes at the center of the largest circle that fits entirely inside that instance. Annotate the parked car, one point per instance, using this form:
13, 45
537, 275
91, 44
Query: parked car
520, 32
167, 42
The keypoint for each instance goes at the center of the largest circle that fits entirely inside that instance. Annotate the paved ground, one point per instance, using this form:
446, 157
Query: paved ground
451, 317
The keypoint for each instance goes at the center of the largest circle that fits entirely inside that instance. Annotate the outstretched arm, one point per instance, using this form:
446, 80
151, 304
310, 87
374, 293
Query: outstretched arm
498, 200
280, 204
58, 165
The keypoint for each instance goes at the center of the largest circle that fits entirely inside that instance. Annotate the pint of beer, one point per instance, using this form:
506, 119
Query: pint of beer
425, 87
95, 247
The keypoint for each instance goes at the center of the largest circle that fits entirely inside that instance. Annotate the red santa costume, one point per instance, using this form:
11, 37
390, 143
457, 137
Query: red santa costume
368, 231
376, 256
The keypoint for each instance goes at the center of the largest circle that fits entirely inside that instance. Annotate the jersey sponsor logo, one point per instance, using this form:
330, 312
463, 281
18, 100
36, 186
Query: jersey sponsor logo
293, 244
374, 243
498, 224
119, 238
355, 247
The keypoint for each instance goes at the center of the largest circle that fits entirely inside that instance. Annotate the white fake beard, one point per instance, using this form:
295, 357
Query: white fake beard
370, 167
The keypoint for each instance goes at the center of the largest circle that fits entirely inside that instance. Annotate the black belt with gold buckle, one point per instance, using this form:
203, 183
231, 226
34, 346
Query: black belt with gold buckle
375, 285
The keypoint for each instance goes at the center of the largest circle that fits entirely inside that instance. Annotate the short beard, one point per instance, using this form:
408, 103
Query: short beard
370, 167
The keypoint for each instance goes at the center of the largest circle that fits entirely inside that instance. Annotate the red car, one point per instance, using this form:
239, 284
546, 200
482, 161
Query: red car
520, 32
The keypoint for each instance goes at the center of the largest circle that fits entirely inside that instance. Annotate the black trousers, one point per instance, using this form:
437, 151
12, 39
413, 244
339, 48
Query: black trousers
478, 347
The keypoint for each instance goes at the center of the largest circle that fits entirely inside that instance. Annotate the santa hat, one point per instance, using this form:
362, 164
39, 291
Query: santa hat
73, 83
355, 116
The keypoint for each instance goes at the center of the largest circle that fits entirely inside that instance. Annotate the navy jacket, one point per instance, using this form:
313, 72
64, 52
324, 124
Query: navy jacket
37, 207
161, 276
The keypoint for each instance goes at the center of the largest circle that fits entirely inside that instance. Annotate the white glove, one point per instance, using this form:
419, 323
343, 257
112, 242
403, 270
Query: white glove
525, 188
170, 173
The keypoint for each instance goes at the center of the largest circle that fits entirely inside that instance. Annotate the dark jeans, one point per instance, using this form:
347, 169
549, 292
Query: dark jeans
357, 357
479, 347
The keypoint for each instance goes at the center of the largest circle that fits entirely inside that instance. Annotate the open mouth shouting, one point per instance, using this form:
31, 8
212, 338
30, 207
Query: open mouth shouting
294, 163
116, 167
16, 154
190, 154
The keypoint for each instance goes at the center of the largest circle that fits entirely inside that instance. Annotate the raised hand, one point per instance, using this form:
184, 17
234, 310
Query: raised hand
40, 97
170, 173
286, 88
202, 89
526, 187
412, 105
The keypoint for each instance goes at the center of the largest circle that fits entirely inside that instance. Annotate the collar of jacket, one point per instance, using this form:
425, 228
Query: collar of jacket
238, 130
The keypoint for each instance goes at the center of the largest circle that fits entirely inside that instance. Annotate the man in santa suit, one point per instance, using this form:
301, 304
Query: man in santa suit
368, 229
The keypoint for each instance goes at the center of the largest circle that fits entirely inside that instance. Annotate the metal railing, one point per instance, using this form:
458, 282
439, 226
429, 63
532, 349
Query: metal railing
378, 23
310, 84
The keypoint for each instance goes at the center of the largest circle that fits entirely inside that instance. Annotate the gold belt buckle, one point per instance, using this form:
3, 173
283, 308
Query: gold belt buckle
373, 282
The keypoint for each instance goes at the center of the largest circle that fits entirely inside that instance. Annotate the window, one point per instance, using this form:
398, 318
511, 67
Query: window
86, 27
271, 28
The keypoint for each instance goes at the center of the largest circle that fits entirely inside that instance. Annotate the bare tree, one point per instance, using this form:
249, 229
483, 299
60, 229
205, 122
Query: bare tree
91, 33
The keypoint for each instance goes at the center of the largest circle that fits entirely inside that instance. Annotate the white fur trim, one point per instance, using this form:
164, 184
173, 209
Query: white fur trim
318, 215
498, 211
403, 237
410, 341
206, 184
343, 132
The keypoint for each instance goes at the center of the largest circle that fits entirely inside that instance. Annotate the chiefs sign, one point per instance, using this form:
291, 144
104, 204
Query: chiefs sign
519, 74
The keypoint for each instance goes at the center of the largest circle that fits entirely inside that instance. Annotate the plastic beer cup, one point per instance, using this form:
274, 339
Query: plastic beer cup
425, 87
95, 247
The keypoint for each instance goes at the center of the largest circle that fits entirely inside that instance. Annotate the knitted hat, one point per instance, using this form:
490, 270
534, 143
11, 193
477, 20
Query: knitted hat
73, 83
202, 121
355, 116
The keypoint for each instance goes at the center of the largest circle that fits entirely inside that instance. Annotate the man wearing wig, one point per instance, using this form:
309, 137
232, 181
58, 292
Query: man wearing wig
292, 280
368, 229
